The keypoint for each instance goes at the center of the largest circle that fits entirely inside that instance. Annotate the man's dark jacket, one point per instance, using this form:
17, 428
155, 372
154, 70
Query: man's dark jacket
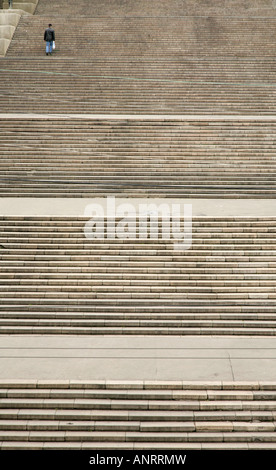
49, 35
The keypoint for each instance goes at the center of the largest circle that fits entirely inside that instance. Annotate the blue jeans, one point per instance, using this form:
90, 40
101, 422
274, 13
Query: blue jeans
49, 47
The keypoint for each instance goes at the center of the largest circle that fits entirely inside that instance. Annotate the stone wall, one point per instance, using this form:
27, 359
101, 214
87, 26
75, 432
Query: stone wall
8, 22
28, 6
9, 18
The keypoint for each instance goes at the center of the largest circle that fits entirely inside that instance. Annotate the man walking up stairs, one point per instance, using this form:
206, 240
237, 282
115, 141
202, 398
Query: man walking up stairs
49, 37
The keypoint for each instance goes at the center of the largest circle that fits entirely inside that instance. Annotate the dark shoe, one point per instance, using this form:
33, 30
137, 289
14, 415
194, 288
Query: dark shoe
46, 53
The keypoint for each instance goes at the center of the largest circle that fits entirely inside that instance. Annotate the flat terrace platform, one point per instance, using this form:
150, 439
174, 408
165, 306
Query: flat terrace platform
137, 358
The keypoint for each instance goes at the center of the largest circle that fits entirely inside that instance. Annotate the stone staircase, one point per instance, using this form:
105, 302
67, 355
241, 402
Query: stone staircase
142, 64
194, 58
138, 86
147, 37
115, 8
56, 281
137, 415
169, 158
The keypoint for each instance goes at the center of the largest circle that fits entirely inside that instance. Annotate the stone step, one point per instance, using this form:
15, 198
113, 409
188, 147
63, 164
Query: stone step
266, 429
136, 331
137, 393
205, 329
130, 404
128, 436
61, 446
159, 325
109, 319
150, 306
57, 296
56, 418
114, 291
106, 384
84, 247
23, 276
214, 224
123, 257
166, 251
29, 192
23, 285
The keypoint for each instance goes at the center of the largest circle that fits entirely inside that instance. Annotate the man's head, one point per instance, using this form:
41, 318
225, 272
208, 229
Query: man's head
50, 25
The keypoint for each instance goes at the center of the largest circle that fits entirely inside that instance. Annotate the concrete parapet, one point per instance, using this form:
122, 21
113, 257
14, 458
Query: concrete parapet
4, 44
15, 2
28, 7
6, 31
8, 22
10, 17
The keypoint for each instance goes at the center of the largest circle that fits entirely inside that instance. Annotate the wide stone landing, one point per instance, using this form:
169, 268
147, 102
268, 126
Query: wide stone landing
137, 358
79, 207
